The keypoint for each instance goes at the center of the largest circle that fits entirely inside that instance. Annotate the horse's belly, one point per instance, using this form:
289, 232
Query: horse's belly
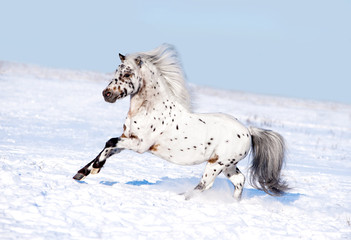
182, 155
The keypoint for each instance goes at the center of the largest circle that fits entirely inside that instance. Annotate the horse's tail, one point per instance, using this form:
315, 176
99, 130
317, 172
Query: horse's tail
268, 151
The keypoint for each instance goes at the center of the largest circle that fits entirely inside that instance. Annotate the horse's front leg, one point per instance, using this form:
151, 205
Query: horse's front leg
97, 163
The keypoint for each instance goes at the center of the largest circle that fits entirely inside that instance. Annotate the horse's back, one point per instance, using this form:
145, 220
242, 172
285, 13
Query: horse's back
229, 135
223, 122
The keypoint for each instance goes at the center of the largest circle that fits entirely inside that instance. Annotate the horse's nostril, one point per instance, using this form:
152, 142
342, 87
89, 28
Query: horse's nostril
106, 93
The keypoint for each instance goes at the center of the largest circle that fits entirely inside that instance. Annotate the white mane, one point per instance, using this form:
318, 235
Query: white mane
166, 61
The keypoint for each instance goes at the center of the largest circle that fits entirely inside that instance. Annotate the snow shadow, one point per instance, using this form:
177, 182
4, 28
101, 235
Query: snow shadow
108, 183
163, 181
287, 198
224, 187
181, 185
143, 182
81, 182
134, 183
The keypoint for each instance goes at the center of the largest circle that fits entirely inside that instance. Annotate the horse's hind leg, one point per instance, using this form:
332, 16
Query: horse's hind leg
237, 178
212, 170
95, 165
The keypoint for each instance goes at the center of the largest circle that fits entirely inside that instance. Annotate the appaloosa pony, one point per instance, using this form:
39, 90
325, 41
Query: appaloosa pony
160, 121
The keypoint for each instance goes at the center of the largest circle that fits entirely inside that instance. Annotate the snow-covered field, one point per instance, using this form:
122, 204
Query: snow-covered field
52, 122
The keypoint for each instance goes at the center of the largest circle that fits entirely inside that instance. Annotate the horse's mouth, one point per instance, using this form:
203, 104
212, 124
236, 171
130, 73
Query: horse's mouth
111, 99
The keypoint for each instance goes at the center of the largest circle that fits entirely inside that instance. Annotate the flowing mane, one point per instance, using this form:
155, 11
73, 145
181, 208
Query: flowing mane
165, 59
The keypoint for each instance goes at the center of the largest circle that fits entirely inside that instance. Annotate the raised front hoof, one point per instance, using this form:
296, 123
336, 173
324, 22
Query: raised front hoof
79, 177
95, 170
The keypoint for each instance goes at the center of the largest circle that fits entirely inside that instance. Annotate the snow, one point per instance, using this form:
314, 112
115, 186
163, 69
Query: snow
52, 122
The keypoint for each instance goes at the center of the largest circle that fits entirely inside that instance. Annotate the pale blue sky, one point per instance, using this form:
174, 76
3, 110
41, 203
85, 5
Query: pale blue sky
293, 48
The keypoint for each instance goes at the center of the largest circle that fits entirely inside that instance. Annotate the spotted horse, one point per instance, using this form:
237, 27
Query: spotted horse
160, 120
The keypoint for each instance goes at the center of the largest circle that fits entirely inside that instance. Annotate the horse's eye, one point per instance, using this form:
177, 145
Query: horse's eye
127, 75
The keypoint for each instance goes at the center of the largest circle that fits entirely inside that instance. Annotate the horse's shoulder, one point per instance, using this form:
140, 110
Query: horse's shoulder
138, 108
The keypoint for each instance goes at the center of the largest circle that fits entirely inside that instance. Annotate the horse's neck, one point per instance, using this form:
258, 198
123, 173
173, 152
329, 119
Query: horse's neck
151, 93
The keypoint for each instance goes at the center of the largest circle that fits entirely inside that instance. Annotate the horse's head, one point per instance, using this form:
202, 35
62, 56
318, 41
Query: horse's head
127, 79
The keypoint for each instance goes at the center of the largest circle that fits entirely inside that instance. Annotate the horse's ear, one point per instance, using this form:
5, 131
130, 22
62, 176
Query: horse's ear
122, 57
138, 61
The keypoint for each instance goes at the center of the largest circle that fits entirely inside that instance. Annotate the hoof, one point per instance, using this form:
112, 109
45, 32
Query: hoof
95, 170
191, 194
79, 177
188, 195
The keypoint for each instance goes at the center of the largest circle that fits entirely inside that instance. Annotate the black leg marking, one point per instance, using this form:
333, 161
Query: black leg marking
82, 173
112, 142
95, 165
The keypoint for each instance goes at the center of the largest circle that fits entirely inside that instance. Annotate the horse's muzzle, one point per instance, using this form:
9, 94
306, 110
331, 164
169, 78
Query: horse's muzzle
109, 96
